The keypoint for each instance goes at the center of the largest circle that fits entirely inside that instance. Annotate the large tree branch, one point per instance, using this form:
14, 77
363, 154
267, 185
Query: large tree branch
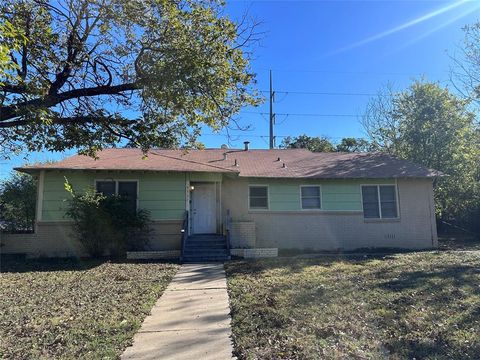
15, 110
87, 119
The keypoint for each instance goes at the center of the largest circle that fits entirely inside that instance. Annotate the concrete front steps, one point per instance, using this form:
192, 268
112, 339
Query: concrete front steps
205, 248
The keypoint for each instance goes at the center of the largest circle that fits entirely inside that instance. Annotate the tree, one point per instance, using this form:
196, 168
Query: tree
429, 125
10, 39
93, 73
354, 145
466, 71
17, 203
315, 144
323, 144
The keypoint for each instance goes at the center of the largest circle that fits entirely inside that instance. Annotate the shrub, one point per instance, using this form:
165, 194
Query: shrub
106, 224
18, 196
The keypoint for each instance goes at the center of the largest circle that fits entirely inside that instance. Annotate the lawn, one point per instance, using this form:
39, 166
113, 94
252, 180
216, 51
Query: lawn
69, 309
405, 306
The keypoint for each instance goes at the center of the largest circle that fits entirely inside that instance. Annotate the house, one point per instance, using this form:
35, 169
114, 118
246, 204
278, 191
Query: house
275, 199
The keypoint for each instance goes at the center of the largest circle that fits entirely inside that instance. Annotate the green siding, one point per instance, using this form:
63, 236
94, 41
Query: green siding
163, 194
336, 195
198, 176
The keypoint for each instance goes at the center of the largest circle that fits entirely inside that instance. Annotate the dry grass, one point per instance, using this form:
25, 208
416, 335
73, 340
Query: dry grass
68, 310
417, 305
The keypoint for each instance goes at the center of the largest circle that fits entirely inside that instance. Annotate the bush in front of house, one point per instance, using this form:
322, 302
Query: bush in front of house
106, 224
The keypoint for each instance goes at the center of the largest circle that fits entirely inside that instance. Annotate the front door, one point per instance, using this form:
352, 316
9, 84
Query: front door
204, 209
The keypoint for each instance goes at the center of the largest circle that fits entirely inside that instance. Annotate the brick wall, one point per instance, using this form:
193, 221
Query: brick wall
255, 253
333, 230
55, 239
144, 255
243, 234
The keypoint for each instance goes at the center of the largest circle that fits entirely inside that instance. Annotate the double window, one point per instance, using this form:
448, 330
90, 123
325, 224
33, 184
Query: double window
379, 202
310, 197
125, 189
258, 197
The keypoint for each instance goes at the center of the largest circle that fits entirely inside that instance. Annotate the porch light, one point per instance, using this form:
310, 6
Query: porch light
192, 187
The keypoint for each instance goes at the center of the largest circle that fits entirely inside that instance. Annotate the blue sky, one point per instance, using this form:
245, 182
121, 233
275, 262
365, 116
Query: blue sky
348, 47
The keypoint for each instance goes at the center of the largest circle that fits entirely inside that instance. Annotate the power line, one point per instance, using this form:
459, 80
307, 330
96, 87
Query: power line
327, 93
304, 114
260, 136
326, 71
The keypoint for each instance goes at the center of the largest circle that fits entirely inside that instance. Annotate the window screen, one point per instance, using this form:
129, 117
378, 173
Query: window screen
310, 197
107, 188
388, 201
258, 197
128, 190
379, 201
370, 202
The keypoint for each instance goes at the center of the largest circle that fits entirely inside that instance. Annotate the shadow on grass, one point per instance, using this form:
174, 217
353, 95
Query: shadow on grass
429, 310
10, 264
19, 264
296, 264
447, 292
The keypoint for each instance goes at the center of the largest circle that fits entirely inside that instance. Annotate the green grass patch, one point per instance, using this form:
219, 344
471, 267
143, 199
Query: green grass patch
68, 309
419, 305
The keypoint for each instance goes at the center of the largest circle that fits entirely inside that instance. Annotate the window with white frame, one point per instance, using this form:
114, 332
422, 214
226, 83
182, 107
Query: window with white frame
125, 189
310, 195
258, 197
379, 202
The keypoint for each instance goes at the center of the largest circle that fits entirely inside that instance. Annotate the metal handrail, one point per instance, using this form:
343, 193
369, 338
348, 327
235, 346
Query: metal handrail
227, 230
184, 232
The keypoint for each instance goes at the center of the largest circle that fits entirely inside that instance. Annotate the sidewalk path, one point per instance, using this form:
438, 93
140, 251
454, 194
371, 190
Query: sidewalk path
189, 321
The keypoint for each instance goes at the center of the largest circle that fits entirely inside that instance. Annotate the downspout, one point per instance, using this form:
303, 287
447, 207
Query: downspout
41, 179
432, 215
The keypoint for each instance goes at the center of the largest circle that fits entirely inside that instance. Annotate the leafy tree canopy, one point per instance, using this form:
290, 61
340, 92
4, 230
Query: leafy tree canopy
323, 144
429, 125
354, 145
17, 203
93, 73
312, 143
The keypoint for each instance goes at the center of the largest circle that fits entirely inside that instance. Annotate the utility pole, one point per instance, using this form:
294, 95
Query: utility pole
272, 115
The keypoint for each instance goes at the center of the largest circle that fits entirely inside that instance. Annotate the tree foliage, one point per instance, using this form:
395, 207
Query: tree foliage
351, 144
106, 225
93, 73
17, 203
323, 144
312, 143
429, 125
466, 69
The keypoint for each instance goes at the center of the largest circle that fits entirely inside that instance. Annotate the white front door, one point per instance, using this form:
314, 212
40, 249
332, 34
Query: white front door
204, 209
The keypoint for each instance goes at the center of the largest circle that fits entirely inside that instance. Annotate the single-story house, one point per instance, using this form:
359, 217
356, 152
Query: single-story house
275, 199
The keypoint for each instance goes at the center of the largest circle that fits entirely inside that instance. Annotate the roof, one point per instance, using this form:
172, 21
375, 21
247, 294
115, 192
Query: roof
275, 163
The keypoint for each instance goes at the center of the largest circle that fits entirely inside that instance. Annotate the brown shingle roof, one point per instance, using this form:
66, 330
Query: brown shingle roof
299, 163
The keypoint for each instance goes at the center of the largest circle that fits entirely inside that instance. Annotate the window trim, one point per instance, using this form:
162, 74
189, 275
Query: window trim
268, 197
320, 197
379, 201
116, 181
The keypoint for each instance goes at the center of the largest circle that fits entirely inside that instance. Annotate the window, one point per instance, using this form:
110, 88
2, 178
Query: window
310, 197
258, 197
107, 188
124, 189
379, 201
128, 191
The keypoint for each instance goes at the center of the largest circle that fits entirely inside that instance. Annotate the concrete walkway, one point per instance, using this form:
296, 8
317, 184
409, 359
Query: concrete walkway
189, 321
